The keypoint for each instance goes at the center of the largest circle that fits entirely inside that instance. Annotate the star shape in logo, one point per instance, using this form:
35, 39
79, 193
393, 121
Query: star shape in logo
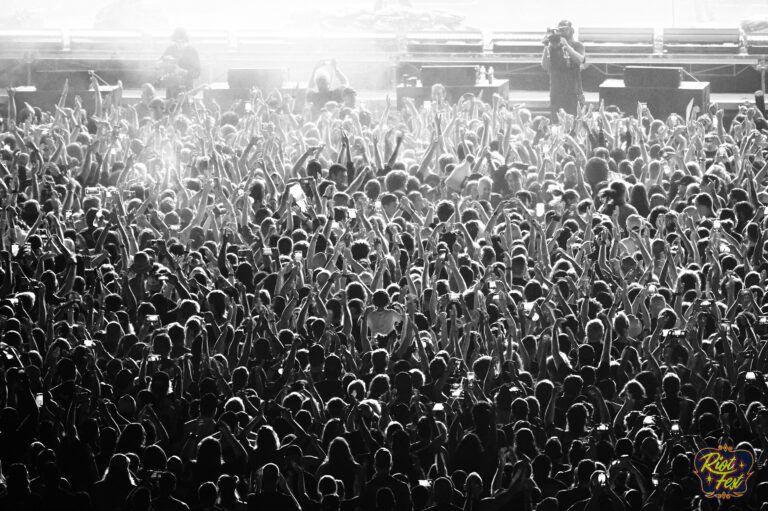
709, 479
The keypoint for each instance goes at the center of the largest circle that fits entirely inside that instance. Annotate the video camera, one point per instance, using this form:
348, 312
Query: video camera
553, 36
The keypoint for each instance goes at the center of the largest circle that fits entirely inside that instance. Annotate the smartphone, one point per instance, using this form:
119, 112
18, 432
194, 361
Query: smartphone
267, 251
438, 407
750, 376
92, 190
88, 343
39, 399
154, 357
648, 420
155, 476
302, 205
470, 376
675, 428
602, 427
298, 256
454, 297
716, 224
297, 193
539, 209
652, 289
377, 205
153, 320
14, 249
456, 390
601, 479
674, 334
426, 483
351, 213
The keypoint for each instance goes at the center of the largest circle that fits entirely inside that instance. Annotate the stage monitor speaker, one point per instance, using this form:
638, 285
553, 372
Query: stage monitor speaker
661, 101
265, 79
651, 76
447, 75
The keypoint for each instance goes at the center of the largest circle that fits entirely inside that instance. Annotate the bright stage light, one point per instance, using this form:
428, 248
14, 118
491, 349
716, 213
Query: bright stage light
310, 15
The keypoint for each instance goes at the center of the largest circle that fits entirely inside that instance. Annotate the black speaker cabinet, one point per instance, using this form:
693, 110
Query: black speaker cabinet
447, 75
661, 101
53, 79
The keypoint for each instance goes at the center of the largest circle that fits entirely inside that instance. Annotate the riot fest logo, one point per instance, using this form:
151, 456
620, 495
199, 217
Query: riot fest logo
723, 472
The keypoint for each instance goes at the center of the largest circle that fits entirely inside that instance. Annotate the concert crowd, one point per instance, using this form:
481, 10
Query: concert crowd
456, 305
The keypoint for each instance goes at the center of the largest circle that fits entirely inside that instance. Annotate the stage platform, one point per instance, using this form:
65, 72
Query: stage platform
371, 60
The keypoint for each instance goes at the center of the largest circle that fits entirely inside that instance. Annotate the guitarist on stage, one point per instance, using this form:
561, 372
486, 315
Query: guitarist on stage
180, 65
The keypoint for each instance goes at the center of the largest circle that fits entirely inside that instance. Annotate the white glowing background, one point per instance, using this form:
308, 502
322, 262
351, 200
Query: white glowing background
304, 14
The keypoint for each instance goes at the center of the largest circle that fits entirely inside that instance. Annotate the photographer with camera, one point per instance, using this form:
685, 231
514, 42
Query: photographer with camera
563, 58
